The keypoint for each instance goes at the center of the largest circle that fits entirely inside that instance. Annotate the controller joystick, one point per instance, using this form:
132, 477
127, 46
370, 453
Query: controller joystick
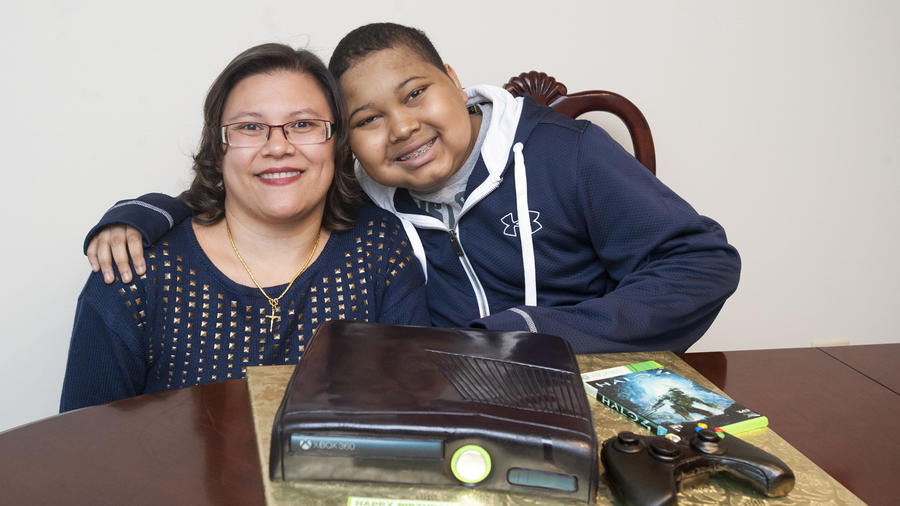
652, 469
708, 442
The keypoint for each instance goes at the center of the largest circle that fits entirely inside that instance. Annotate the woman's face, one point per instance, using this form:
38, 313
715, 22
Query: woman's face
277, 182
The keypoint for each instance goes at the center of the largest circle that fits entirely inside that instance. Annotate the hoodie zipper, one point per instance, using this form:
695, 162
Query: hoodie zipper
480, 297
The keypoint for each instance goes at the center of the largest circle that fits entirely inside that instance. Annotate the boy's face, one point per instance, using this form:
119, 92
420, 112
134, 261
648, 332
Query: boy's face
409, 126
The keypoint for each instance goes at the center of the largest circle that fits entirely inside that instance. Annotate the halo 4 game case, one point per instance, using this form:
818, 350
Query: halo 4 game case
497, 410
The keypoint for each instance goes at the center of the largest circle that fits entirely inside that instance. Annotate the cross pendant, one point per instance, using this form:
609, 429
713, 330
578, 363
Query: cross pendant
273, 317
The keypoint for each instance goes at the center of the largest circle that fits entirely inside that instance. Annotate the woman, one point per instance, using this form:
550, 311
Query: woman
278, 244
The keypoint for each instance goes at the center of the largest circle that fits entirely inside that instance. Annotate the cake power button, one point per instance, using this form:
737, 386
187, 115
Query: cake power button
470, 464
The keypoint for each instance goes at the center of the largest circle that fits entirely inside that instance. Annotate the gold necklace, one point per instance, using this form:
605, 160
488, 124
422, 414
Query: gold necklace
272, 301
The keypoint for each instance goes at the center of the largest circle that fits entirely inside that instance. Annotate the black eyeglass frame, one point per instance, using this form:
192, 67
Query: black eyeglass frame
329, 131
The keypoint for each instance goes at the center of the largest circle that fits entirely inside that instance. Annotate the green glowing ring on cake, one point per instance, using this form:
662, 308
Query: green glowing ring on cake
470, 464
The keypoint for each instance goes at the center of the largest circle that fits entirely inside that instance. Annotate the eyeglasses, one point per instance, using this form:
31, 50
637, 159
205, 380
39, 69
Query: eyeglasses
251, 134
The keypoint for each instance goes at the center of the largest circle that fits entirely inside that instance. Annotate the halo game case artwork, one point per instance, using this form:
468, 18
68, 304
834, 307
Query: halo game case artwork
666, 403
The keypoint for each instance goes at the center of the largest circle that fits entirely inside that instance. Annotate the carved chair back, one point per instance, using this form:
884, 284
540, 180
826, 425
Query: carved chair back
546, 90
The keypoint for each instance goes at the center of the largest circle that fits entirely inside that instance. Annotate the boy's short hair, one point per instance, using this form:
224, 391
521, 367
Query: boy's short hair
376, 37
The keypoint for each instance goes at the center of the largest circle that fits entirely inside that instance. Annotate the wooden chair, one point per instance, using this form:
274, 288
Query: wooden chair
546, 90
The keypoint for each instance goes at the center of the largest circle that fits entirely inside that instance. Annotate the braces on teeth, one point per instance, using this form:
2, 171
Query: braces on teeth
418, 151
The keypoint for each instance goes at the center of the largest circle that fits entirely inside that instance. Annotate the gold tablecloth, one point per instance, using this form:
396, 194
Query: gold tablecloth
813, 486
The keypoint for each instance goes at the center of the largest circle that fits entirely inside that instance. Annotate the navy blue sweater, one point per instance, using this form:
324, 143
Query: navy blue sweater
186, 323
621, 263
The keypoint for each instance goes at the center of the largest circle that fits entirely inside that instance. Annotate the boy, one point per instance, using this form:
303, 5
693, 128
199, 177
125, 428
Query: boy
608, 257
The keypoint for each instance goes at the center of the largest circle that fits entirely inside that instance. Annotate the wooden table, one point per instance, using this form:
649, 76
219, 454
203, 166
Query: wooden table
839, 406
196, 445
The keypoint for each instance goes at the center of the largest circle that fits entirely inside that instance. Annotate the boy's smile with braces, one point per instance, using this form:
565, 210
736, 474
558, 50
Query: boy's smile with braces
415, 154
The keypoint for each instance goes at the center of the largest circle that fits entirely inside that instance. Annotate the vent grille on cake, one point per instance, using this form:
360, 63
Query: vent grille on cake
512, 384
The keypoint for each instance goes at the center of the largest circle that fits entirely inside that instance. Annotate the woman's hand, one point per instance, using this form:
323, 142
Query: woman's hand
115, 243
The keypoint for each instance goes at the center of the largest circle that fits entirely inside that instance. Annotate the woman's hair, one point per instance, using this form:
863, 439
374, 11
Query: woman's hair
206, 196
366, 39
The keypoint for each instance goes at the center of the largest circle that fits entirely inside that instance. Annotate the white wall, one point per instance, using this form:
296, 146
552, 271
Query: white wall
778, 119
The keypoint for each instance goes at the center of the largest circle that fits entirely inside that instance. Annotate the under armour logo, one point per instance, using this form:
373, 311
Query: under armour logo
512, 225
306, 444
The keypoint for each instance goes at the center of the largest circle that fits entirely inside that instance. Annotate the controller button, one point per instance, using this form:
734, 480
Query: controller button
628, 442
628, 438
663, 449
707, 436
709, 442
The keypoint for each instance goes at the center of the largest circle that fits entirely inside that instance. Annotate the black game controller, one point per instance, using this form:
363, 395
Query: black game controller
652, 469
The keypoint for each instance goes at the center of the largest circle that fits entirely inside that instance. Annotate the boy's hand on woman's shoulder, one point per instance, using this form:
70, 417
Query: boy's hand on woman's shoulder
114, 244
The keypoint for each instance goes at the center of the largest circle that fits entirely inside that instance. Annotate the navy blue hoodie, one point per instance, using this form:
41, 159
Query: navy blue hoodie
614, 261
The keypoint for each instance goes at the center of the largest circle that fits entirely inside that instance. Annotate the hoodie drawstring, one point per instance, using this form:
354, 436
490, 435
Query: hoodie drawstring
524, 223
